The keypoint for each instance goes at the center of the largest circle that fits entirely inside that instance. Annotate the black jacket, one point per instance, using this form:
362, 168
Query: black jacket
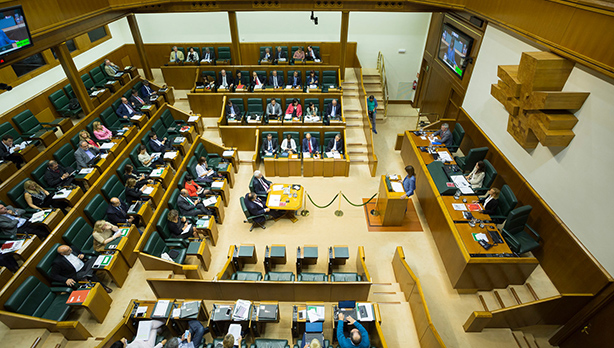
54, 178
136, 104
62, 270
258, 188
117, 216
274, 145
229, 79
491, 207
133, 194
255, 209
331, 143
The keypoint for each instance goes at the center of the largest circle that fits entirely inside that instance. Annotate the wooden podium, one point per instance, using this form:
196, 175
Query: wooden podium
390, 206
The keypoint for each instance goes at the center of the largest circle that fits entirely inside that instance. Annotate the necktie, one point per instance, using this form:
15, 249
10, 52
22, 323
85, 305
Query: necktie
270, 146
130, 110
176, 56
189, 200
224, 81
275, 81
335, 147
333, 112
140, 100
266, 187
310, 150
207, 56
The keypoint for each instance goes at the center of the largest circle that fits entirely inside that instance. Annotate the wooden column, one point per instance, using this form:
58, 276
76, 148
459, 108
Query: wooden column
234, 36
140, 48
61, 51
345, 23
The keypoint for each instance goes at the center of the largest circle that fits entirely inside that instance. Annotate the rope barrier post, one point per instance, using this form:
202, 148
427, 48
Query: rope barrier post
375, 212
305, 212
338, 212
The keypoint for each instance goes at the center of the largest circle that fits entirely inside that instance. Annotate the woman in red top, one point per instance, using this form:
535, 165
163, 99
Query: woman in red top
85, 136
295, 106
195, 190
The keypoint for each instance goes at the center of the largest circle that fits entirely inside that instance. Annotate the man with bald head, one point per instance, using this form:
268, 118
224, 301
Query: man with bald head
58, 176
189, 206
125, 110
71, 266
117, 212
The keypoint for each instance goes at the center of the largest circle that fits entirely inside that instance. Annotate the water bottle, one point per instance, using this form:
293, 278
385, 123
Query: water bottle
457, 194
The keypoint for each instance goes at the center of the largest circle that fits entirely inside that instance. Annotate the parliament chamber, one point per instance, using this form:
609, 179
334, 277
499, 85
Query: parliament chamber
305, 174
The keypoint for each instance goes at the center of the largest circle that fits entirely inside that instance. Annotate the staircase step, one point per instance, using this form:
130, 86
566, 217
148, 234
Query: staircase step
489, 299
519, 337
54, 340
530, 339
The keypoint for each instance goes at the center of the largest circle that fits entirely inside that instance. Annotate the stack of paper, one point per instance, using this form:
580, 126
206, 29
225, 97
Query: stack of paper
315, 313
459, 206
217, 184
364, 312
85, 171
38, 216
235, 330
192, 119
445, 156
462, 184
148, 190
210, 201
241, 311
397, 186
156, 172
228, 153
179, 140
63, 193
161, 308
107, 146
274, 200
142, 333
10, 246
170, 154
136, 117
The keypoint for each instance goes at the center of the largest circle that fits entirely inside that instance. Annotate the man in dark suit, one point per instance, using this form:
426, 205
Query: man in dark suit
117, 212
295, 80
5, 151
159, 145
270, 145
125, 110
189, 206
311, 54
333, 110
12, 222
85, 154
147, 91
280, 55
310, 144
261, 185
70, 266
445, 134
208, 56
225, 80
136, 101
256, 206
335, 145
276, 80
266, 55
58, 176
232, 110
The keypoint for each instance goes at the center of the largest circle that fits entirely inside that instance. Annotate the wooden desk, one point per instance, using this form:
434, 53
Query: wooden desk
466, 232
168, 94
228, 172
291, 203
149, 110
189, 134
165, 177
201, 251
128, 133
261, 317
123, 79
195, 122
7, 169
117, 269
113, 86
233, 157
246, 253
97, 301
298, 323
174, 161
419, 141
218, 207
74, 196
125, 245
52, 220
145, 212
139, 120
224, 191
155, 197
28, 153
132, 71
209, 229
27, 249
180, 76
457, 215
103, 96
390, 205
89, 178
269, 165
294, 165
183, 147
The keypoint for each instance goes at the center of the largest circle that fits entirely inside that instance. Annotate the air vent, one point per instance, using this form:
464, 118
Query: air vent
389, 5
329, 4
266, 4
205, 4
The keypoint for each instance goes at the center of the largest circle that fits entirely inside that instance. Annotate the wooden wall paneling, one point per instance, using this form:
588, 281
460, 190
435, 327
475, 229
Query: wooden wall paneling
343, 39
235, 53
180, 77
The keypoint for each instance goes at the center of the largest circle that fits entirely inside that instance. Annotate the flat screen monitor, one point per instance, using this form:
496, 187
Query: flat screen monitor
14, 33
454, 47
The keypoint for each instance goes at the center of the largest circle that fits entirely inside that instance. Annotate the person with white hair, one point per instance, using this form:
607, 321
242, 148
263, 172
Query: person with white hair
261, 186
176, 55
445, 134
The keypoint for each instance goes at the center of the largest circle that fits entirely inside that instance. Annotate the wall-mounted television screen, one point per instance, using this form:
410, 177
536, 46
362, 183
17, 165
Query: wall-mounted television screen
14, 33
454, 47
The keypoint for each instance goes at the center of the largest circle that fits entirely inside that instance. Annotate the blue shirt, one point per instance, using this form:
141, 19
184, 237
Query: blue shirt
345, 342
409, 185
4, 40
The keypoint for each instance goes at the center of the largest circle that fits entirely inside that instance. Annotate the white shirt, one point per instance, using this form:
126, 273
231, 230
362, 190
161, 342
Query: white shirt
202, 170
487, 200
224, 83
74, 261
335, 145
266, 187
291, 146
332, 110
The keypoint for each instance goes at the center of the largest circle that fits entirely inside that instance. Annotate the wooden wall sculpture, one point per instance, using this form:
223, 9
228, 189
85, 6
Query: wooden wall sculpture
531, 92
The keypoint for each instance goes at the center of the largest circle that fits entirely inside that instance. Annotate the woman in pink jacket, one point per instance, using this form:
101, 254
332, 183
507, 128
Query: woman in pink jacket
101, 132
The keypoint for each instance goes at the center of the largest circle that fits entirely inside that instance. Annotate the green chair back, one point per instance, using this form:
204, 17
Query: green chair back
26, 122
16, 194
109, 118
38, 174
79, 235
507, 201
44, 265
161, 225
7, 128
65, 156
96, 209
239, 103
474, 156
116, 104
114, 188
155, 245
34, 298
457, 136
294, 136
315, 102
69, 91
172, 200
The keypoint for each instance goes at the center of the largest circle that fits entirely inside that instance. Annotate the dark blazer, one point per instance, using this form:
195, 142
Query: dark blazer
312, 80
176, 229
133, 194
446, 137
315, 145
331, 143
280, 80
4, 152
281, 54
258, 188
308, 54
62, 270
187, 209
54, 179
122, 111
116, 216
329, 110
136, 104
211, 55
491, 207
264, 55
157, 148
255, 209
229, 79
139, 183
146, 92
253, 80
291, 81
233, 107
274, 145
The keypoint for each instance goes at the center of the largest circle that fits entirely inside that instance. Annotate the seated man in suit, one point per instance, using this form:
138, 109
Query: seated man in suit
261, 185
311, 54
125, 110
117, 212
70, 266
110, 68
266, 55
58, 176
273, 110
333, 110
257, 81
311, 145
12, 222
159, 145
137, 102
5, 151
445, 134
295, 81
176, 55
225, 80
270, 145
208, 56
232, 110
335, 144
85, 154
275, 80
147, 92
189, 206
280, 55
256, 206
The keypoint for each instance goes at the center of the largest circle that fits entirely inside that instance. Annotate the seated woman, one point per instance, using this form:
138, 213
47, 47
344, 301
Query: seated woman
490, 202
140, 180
295, 110
299, 54
195, 190
312, 79
177, 226
239, 80
476, 177
101, 132
38, 198
311, 114
85, 136
104, 233
147, 160
134, 193
288, 145
205, 174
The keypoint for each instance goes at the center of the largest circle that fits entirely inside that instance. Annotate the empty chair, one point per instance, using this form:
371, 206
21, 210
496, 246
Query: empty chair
110, 119
156, 246
457, 137
514, 231
344, 277
98, 77
279, 276
96, 209
246, 276
475, 155
33, 298
223, 55
62, 104
30, 126
312, 277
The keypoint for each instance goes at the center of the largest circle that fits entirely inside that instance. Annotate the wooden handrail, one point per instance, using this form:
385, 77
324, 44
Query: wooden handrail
381, 68
362, 97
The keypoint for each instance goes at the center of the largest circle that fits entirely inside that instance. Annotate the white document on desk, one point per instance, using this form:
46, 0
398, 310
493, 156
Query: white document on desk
161, 308
136, 117
63, 193
235, 330
277, 187
274, 200
315, 313
217, 184
148, 190
142, 333
459, 206
462, 184
85, 171
397, 186
368, 309
170, 154
107, 146
210, 201
445, 156
192, 119
228, 153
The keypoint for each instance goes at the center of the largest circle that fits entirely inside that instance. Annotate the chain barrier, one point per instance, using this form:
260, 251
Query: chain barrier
359, 205
322, 207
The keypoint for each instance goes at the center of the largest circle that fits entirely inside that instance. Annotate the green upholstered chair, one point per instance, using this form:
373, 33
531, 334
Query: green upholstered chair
7, 129
514, 231
475, 155
127, 94
90, 126
116, 104
38, 174
239, 103
507, 202
33, 298
345, 277
70, 93
98, 77
457, 137
196, 49
264, 136
249, 218
329, 82
165, 233
270, 343
60, 102
315, 102
156, 246
31, 127
330, 73
17, 198
169, 121
44, 265
312, 277
223, 55
217, 341
279, 276
120, 169
490, 173
107, 77
79, 235
110, 119
300, 344
89, 83
134, 156
65, 156
96, 209
246, 276
254, 106
328, 136
191, 168
113, 187
262, 49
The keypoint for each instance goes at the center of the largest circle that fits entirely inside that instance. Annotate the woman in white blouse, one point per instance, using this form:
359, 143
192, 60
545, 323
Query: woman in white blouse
192, 56
147, 160
288, 145
476, 177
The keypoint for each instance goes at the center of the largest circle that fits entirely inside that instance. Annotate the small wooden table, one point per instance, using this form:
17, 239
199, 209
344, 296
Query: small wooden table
168, 94
149, 110
28, 153
117, 269
287, 202
219, 209
201, 251
183, 147
129, 131
145, 212
73, 197
156, 195
89, 178
233, 157
225, 192
139, 120
246, 253
96, 301
103, 96
51, 220
195, 122
113, 86
174, 161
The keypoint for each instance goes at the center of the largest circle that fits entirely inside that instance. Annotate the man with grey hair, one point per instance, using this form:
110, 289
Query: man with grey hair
176, 55
85, 154
190, 339
280, 55
445, 134
261, 185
